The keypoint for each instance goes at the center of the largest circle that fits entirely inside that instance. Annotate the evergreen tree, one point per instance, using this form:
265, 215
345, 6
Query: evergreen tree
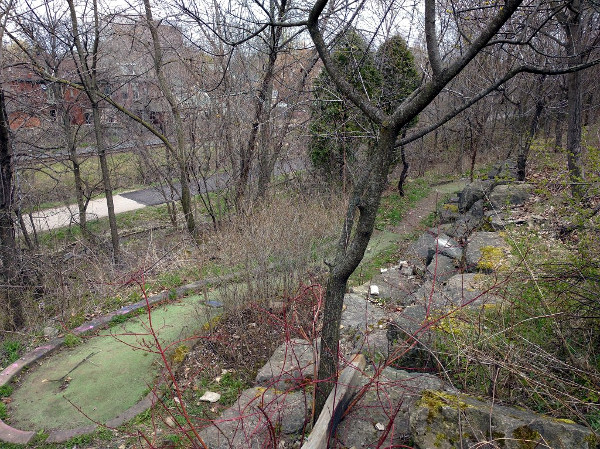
338, 129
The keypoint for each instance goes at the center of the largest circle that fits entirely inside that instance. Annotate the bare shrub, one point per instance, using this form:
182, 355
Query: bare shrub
275, 245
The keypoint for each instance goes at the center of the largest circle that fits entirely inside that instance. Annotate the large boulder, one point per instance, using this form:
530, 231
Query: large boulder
395, 284
486, 251
449, 420
292, 361
509, 195
431, 243
460, 290
504, 171
442, 268
474, 192
250, 422
385, 403
364, 327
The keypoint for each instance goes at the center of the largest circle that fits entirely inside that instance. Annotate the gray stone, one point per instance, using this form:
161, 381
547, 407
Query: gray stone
361, 315
250, 421
474, 192
441, 268
500, 219
373, 344
504, 171
476, 210
386, 397
407, 323
448, 213
463, 227
449, 420
292, 361
510, 195
431, 242
486, 251
469, 289
51, 332
396, 284
364, 327
458, 291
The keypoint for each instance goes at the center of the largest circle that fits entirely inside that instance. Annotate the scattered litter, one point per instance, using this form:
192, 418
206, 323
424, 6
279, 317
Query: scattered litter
383, 270
169, 421
374, 290
380, 427
210, 396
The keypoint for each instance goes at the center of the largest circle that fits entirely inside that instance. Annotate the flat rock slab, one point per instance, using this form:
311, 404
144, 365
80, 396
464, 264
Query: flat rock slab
474, 192
460, 290
394, 285
510, 195
486, 251
449, 420
258, 412
384, 405
291, 362
361, 315
364, 327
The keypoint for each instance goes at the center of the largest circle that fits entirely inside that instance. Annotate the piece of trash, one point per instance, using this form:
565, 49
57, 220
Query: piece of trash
374, 290
380, 427
383, 270
210, 396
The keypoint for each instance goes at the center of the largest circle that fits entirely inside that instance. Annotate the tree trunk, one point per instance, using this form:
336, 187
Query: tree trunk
353, 241
558, 133
71, 147
262, 110
573, 80
112, 219
533, 128
8, 248
180, 152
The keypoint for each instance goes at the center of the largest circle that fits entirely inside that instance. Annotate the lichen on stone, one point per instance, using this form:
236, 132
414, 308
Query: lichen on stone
526, 437
492, 259
435, 400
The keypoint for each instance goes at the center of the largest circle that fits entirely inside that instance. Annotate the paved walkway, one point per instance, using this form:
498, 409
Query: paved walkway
60, 217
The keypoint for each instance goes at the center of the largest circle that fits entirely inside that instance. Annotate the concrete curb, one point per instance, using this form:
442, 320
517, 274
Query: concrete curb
12, 435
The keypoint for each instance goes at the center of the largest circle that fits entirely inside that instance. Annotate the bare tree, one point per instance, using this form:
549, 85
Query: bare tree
8, 244
87, 67
365, 197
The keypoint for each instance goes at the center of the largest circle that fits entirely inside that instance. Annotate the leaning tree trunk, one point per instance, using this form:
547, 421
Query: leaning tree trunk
180, 153
71, 146
365, 198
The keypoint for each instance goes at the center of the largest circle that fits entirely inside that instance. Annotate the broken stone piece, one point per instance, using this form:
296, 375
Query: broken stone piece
210, 396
